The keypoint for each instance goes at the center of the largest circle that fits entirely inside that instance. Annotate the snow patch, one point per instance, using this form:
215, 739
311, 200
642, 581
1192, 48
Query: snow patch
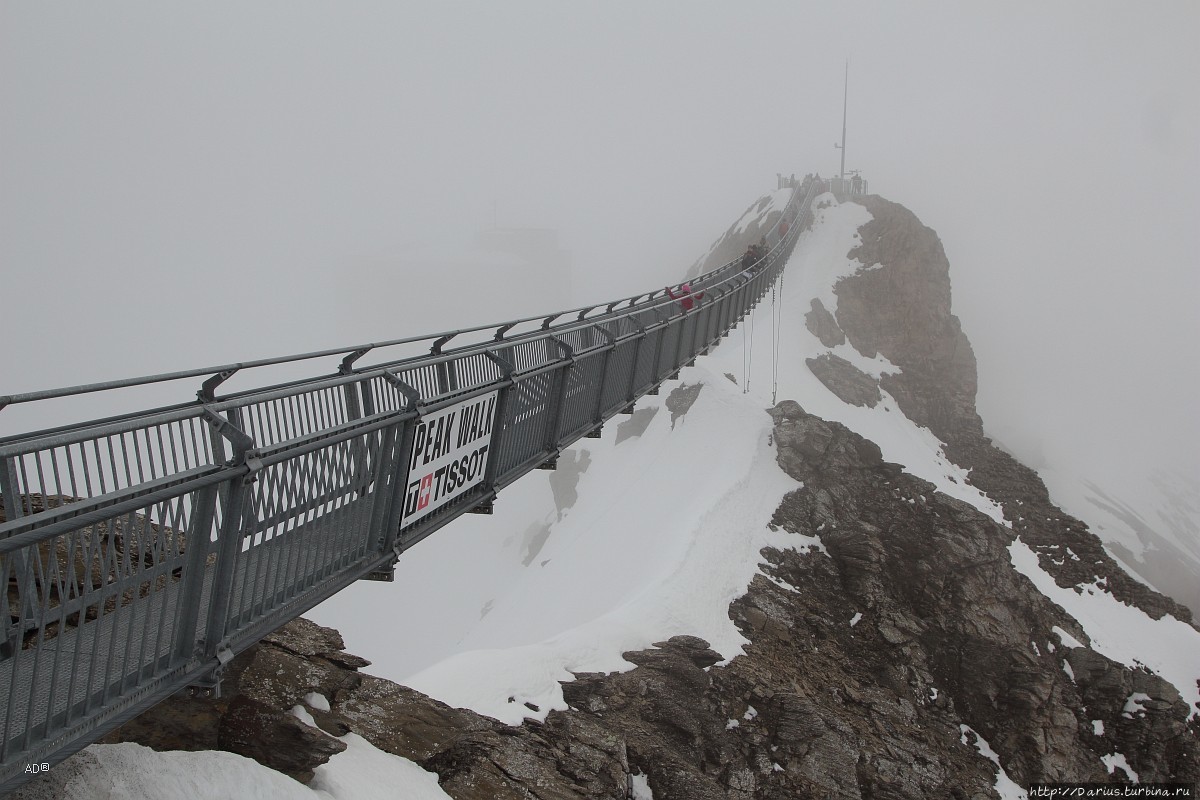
301, 713
1113, 761
317, 700
640, 787
1067, 639
364, 772
130, 771
1167, 647
1133, 704
1005, 786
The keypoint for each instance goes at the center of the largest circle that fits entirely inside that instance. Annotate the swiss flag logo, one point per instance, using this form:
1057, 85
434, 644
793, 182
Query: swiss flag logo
424, 493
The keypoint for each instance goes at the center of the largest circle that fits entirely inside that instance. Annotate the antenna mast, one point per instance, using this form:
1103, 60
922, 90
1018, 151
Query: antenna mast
845, 99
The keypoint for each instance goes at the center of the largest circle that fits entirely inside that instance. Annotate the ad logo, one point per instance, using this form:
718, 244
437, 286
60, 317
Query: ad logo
449, 455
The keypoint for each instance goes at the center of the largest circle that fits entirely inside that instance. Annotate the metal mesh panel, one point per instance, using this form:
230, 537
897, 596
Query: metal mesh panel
687, 334
579, 400
476, 370
622, 327
100, 615
294, 416
524, 429
381, 395
305, 518
88, 466
423, 378
644, 376
614, 393
670, 340
583, 339
531, 355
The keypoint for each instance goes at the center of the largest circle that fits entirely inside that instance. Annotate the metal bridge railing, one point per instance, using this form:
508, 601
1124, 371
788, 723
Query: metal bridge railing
140, 553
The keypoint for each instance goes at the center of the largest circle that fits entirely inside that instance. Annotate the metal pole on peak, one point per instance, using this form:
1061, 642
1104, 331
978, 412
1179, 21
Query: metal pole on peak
845, 99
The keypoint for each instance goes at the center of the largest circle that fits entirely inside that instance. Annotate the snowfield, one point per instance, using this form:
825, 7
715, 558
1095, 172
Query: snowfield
665, 531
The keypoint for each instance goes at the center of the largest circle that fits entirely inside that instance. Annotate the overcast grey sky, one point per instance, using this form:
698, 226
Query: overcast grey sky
183, 184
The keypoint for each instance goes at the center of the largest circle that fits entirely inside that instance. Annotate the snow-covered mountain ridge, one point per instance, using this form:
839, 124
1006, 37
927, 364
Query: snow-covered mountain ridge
856, 595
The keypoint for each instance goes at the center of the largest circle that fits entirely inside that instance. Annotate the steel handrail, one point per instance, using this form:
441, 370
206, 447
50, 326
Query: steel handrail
125, 383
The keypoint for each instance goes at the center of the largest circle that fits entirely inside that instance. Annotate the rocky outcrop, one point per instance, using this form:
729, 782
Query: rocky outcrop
949, 630
822, 325
899, 306
848, 382
680, 400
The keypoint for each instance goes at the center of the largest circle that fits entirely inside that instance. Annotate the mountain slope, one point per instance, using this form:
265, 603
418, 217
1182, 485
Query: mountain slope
855, 595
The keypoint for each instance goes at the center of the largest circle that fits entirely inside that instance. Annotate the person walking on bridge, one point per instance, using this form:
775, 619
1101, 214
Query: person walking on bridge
685, 297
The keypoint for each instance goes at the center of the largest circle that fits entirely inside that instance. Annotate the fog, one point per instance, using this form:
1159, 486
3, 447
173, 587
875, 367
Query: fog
183, 185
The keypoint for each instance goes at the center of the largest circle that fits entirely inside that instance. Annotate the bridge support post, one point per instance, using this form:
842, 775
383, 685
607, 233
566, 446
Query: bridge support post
638, 346
405, 437
389, 475
14, 506
610, 347
559, 393
229, 542
199, 544
500, 429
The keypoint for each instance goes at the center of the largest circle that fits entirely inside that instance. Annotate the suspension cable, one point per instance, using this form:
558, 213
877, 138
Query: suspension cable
776, 339
747, 352
774, 347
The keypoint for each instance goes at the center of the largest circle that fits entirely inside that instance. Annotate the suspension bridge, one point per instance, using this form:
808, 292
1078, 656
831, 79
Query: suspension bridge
142, 552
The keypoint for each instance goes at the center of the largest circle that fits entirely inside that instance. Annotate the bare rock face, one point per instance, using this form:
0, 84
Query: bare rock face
944, 637
902, 311
822, 325
848, 382
252, 717
900, 308
280, 741
680, 400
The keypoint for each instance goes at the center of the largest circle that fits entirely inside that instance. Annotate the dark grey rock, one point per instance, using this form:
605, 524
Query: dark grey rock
681, 398
822, 325
848, 382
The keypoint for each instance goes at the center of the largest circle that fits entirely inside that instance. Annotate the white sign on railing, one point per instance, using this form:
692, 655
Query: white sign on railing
450, 455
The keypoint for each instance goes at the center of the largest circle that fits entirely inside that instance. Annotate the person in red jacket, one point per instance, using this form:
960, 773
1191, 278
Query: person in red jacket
685, 296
